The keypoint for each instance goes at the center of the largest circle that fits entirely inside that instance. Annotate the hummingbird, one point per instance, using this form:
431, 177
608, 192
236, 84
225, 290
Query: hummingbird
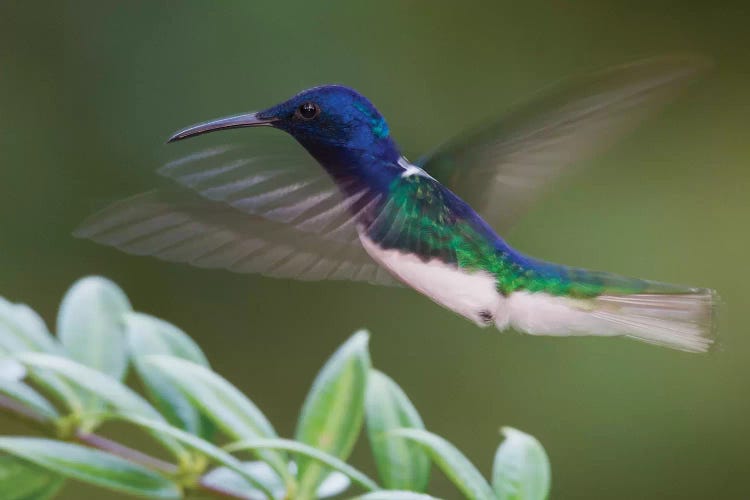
356, 209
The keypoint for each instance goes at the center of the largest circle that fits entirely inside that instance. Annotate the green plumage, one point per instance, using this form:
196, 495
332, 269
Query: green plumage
422, 217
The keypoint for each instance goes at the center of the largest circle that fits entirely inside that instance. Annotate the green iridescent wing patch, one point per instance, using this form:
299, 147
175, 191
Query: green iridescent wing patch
424, 218
420, 217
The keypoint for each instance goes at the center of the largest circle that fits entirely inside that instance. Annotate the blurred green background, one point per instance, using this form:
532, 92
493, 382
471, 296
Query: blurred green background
89, 91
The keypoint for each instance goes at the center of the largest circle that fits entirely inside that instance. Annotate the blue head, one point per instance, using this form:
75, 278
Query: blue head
334, 123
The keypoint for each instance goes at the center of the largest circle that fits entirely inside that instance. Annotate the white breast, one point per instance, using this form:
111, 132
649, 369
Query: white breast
472, 295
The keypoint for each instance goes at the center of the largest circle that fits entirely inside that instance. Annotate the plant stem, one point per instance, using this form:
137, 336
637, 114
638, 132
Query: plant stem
131, 454
28, 415
104, 444
22, 412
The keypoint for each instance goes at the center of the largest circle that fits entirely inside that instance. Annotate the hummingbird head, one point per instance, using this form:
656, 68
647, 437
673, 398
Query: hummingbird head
332, 122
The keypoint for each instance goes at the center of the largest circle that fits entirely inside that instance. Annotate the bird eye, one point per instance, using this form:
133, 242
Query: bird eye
308, 111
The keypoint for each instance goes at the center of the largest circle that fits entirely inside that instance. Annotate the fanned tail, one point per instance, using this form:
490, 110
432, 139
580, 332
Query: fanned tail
658, 313
685, 321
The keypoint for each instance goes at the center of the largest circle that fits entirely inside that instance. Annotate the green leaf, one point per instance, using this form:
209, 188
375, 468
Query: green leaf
59, 388
232, 411
10, 369
104, 387
91, 466
216, 454
228, 481
333, 484
402, 465
28, 397
331, 416
395, 495
21, 480
221, 402
452, 462
146, 336
21, 330
521, 470
149, 335
108, 389
47, 492
90, 325
309, 452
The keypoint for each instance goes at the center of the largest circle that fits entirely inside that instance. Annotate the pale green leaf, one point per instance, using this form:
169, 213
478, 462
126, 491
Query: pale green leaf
149, 335
332, 414
22, 480
452, 462
521, 470
10, 369
21, 330
213, 452
59, 388
308, 452
221, 402
107, 388
395, 495
28, 397
146, 336
402, 464
228, 481
233, 412
90, 325
333, 484
91, 466
103, 387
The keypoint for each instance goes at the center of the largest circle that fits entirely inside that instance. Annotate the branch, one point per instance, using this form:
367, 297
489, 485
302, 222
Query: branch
131, 454
23, 413
28, 415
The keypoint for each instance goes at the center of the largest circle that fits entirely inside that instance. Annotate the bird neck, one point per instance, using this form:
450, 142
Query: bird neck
373, 166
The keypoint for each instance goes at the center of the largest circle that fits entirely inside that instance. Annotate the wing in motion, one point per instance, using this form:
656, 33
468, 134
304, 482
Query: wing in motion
181, 227
247, 214
503, 167
285, 186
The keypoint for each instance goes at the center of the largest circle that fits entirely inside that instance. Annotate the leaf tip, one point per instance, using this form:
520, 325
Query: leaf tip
360, 337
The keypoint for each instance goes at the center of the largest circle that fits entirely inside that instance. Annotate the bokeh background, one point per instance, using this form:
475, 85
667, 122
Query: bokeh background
89, 90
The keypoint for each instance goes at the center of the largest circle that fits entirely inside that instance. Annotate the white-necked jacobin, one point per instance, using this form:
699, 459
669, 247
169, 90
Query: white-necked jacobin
370, 215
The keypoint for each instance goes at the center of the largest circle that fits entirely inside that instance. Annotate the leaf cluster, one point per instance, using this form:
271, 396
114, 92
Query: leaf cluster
219, 443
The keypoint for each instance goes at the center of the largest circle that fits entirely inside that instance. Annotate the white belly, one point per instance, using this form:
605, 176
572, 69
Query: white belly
677, 321
472, 295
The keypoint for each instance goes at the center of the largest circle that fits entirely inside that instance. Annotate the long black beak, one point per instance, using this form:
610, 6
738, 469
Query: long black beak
237, 121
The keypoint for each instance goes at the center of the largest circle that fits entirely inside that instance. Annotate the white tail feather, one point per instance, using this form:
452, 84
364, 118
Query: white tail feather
680, 321
684, 321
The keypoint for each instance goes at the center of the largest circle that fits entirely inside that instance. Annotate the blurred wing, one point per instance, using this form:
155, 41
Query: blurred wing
183, 227
504, 167
285, 185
